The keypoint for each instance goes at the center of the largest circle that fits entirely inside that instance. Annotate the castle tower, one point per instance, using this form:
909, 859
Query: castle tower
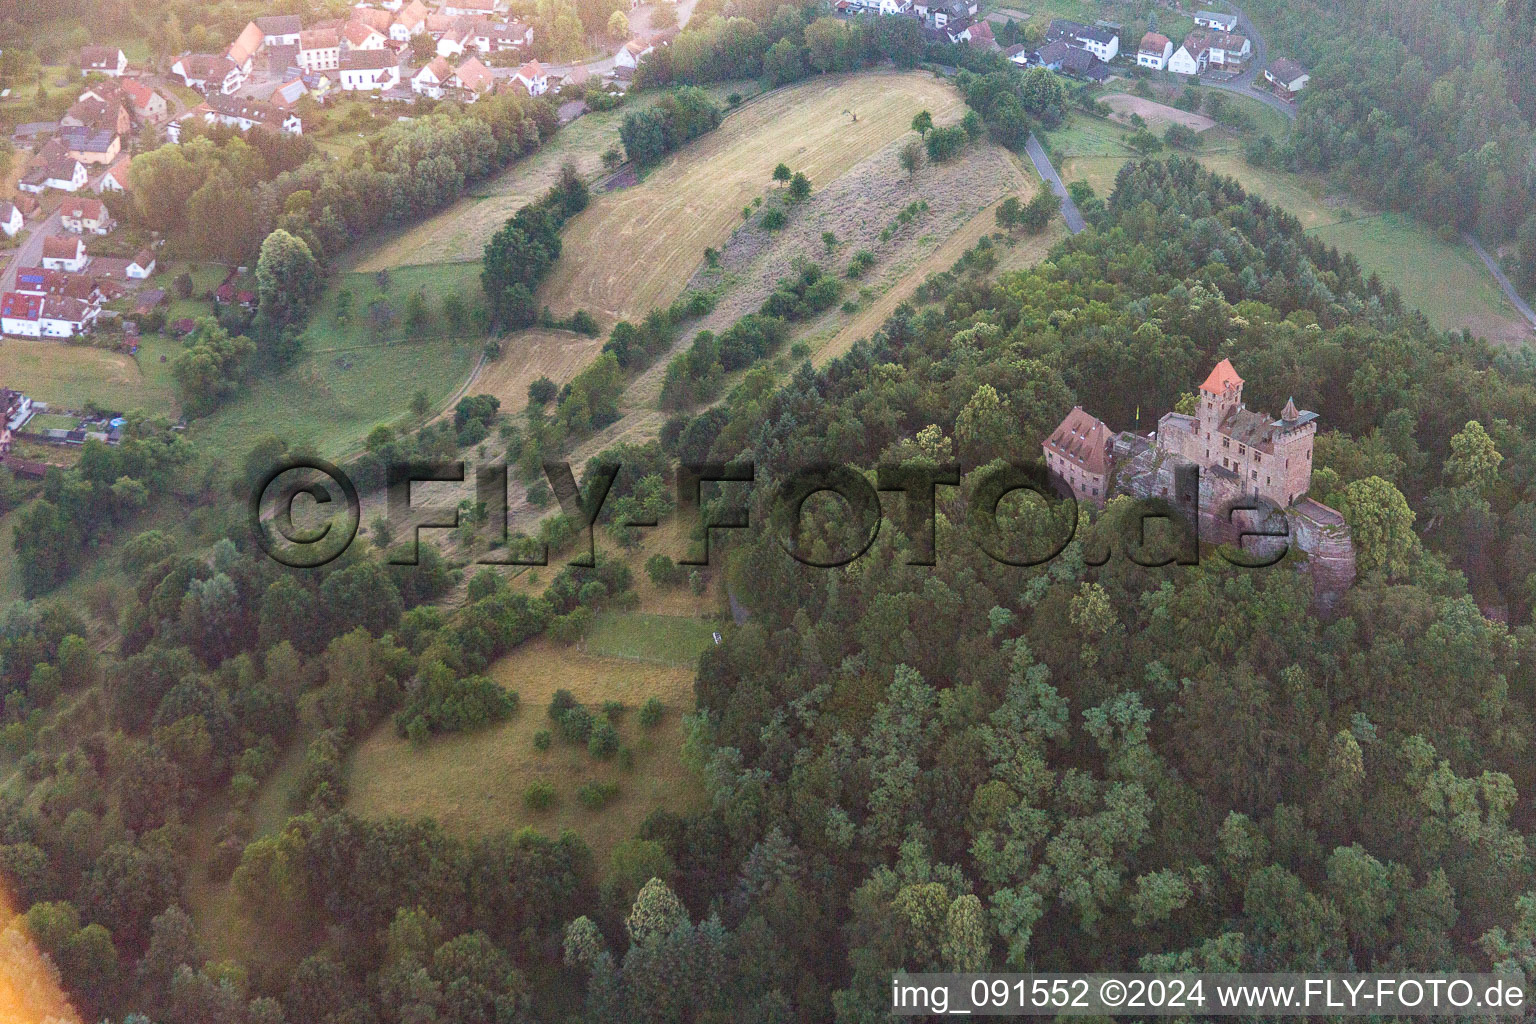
1220, 396
1292, 438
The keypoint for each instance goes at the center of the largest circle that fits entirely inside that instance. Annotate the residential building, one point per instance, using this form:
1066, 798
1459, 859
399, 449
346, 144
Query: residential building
118, 268
21, 313
1286, 76
64, 317
509, 35
15, 410
432, 79
90, 145
246, 114
242, 52
472, 8
630, 53
1154, 51
1183, 62
319, 50
1216, 20
116, 178
1084, 65
85, 216
102, 60
11, 220
53, 168
208, 73
410, 21
359, 35
1018, 53
94, 112
474, 78
369, 70
1051, 55
60, 253
280, 29
145, 103
1103, 43
532, 78
1078, 451
375, 18
980, 36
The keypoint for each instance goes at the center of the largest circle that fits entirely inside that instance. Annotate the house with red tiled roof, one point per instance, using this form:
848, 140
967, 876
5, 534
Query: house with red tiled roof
432, 79
473, 78
532, 78
11, 220
319, 50
85, 216
144, 101
411, 20
60, 253
21, 313
359, 35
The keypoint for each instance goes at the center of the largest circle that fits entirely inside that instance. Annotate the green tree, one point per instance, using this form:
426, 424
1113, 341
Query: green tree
287, 282
921, 122
781, 174
1382, 526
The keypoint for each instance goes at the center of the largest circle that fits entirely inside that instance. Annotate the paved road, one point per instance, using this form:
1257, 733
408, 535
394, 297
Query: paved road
1244, 82
30, 252
1069, 211
1504, 282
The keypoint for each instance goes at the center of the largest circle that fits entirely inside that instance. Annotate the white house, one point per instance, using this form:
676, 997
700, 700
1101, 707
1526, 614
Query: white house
509, 35
1228, 50
102, 60
410, 21
208, 73
472, 8
1102, 42
85, 216
319, 50
11, 220
60, 253
1286, 75
1154, 51
1216, 20
358, 35
630, 53
242, 52
369, 70
280, 29
1185, 63
116, 178
21, 313
432, 79
63, 317
246, 114
142, 265
533, 78
54, 168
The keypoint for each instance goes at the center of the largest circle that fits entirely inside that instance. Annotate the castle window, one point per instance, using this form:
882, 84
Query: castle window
1226, 442
1242, 449
1255, 474
1257, 457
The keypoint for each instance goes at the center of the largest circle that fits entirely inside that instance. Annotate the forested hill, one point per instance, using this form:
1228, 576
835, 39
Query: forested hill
971, 765
1420, 105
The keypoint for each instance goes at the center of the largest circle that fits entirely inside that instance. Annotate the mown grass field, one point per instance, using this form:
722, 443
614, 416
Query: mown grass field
638, 246
1446, 280
473, 783
637, 636
460, 232
68, 376
348, 381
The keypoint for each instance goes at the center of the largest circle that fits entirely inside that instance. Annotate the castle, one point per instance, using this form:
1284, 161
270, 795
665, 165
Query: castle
1240, 455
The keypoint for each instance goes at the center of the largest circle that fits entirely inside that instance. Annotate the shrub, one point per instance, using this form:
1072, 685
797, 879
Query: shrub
603, 743
650, 713
594, 795
861, 262
576, 725
539, 795
614, 709
773, 220
542, 739
542, 391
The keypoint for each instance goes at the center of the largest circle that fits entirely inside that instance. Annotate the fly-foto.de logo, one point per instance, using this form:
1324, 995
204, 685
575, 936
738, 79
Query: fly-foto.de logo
306, 512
